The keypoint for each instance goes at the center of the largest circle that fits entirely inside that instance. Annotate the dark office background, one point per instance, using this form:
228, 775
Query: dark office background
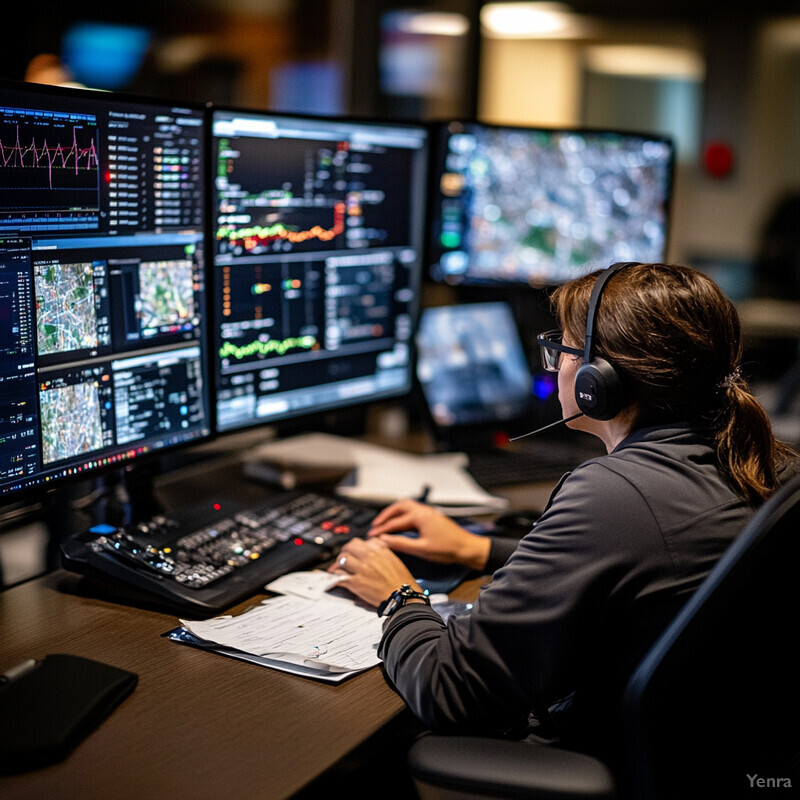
354, 56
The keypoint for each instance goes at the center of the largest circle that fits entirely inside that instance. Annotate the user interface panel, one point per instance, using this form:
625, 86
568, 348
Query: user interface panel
102, 282
538, 206
318, 234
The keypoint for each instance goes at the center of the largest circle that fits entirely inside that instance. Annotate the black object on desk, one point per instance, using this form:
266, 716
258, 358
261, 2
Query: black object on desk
48, 706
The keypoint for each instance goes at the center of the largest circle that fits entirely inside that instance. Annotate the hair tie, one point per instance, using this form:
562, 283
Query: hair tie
731, 379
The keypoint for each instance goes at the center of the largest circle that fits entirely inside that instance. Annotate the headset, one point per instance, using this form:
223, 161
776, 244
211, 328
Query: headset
598, 386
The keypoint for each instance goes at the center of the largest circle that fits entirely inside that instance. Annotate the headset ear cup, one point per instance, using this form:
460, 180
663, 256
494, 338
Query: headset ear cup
598, 389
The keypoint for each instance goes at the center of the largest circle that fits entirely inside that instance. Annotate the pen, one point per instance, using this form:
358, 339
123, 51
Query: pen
423, 497
18, 671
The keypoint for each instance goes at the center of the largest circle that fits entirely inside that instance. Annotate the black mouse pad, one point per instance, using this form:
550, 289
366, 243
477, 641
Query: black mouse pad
48, 709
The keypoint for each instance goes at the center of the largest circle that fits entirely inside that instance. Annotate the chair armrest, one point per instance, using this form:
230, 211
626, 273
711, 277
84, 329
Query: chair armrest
464, 766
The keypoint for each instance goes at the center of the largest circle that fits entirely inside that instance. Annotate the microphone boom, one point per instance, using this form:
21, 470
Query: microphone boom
547, 427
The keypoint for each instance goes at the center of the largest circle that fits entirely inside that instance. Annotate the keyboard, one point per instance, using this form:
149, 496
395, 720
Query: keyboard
196, 563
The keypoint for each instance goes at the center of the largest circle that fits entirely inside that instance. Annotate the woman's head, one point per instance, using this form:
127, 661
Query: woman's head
674, 339
672, 336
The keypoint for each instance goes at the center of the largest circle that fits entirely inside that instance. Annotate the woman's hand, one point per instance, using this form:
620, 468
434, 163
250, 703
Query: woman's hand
438, 537
371, 570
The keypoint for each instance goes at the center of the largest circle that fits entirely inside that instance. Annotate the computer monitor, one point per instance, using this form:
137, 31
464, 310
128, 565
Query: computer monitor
538, 206
102, 283
472, 368
318, 238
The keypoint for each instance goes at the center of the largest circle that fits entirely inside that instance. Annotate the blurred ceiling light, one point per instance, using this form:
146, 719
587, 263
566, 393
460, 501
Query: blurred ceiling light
429, 23
646, 61
526, 20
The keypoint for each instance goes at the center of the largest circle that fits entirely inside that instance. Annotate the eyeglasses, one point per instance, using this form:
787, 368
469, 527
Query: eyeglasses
551, 349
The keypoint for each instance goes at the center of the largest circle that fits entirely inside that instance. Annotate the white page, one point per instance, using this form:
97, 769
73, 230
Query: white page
332, 675
312, 584
322, 633
355, 628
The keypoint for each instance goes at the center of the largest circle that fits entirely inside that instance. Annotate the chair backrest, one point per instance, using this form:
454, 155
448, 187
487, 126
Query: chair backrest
712, 710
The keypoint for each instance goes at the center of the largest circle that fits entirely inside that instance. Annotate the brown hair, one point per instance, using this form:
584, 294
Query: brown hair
675, 340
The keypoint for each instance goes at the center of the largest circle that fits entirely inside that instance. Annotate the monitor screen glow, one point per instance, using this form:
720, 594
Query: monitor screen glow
539, 206
102, 283
471, 365
318, 237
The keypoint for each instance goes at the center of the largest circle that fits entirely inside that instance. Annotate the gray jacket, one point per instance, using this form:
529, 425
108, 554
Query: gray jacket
574, 605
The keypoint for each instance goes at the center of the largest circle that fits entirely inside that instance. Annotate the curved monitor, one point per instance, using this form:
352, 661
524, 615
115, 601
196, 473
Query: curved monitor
318, 237
102, 282
539, 206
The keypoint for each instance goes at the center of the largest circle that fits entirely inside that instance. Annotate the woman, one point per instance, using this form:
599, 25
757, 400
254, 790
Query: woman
625, 538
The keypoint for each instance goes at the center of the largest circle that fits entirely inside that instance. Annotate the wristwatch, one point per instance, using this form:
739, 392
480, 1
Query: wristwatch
399, 598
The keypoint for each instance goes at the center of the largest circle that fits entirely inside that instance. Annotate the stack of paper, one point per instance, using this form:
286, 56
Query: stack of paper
382, 474
306, 631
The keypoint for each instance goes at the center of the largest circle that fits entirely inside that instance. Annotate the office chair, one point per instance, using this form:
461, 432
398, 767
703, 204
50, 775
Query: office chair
710, 712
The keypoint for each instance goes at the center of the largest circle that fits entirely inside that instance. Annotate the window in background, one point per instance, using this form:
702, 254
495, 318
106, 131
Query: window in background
307, 87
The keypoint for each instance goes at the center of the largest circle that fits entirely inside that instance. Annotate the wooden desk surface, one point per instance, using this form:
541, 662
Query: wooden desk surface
198, 726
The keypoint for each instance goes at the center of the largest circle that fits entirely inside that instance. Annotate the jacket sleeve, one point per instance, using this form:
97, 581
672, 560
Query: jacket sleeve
521, 647
500, 550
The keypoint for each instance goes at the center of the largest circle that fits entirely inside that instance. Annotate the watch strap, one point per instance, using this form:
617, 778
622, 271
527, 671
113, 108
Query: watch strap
398, 598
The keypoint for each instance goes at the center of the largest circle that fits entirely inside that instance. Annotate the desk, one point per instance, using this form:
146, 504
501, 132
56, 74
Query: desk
198, 726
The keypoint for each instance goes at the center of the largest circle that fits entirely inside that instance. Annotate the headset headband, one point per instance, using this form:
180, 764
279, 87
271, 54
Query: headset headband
594, 302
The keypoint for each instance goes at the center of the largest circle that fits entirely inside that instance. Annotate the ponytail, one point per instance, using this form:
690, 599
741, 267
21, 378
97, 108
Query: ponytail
746, 446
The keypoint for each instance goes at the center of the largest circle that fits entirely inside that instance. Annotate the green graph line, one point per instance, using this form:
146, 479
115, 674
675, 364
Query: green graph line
257, 347
258, 231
